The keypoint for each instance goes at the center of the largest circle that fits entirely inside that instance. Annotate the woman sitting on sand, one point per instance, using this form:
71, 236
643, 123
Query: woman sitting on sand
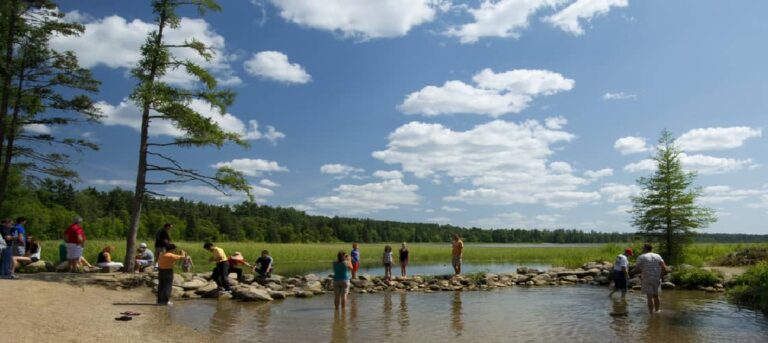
31, 253
105, 258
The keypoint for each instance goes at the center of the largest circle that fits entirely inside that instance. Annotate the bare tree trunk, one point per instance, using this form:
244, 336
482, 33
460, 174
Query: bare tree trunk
7, 73
6, 169
141, 174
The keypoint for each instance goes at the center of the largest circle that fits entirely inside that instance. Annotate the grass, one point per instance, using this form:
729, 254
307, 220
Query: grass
751, 288
299, 258
695, 277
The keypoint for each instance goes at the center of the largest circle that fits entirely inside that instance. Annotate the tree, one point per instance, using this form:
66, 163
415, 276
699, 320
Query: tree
40, 87
160, 101
666, 211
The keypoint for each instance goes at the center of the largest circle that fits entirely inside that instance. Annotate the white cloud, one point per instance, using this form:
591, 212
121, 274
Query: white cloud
619, 96
439, 220
721, 194
568, 18
646, 165
40, 129
503, 18
621, 210
451, 209
614, 192
194, 190
269, 183
555, 123
548, 218
204, 191
115, 183
252, 167
496, 94
274, 65
631, 145
362, 19
505, 162
717, 138
598, 174
115, 42
126, 113
702, 164
368, 198
340, 170
388, 175
762, 203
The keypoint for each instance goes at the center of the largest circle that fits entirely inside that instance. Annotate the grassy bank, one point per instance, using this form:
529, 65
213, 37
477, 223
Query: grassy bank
300, 258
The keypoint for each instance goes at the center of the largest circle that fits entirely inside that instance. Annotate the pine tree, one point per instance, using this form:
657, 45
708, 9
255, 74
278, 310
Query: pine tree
666, 211
160, 101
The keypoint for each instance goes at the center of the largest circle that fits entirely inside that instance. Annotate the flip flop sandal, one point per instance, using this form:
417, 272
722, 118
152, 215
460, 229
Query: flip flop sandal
130, 313
124, 318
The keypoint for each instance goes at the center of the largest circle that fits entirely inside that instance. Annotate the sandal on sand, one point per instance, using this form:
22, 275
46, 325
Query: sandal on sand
130, 313
124, 318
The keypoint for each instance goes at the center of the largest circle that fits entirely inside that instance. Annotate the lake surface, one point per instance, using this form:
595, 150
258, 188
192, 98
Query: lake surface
518, 314
416, 269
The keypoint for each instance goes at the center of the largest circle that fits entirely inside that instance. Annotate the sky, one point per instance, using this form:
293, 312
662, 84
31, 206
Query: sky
491, 113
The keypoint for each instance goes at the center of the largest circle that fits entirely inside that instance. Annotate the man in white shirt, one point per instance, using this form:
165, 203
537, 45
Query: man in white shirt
620, 273
651, 267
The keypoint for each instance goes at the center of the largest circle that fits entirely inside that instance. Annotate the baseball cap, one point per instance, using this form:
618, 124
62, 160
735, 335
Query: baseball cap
143, 245
628, 251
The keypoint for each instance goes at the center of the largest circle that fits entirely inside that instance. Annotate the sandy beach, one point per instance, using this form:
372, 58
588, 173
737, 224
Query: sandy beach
48, 309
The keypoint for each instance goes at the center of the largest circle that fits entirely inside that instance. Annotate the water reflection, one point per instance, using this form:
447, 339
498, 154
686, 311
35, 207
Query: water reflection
339, 327
387, 317
457, 320
225, 318
620, 317
402, 314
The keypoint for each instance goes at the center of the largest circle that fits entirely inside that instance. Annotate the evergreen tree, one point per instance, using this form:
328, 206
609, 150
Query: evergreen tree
160, 101
666, 211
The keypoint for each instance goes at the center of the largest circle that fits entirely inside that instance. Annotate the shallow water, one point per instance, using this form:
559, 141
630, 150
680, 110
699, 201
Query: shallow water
518, 314
417, 269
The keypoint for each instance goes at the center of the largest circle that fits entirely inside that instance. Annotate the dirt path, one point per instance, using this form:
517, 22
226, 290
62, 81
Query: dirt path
39, 309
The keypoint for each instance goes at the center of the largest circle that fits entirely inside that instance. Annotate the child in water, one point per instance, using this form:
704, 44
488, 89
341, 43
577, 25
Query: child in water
387, 259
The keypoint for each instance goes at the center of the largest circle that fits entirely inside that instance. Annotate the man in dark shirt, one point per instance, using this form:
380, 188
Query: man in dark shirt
6, 252
162, 239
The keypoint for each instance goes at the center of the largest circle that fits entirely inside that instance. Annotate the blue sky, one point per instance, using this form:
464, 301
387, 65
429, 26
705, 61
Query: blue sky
507, 113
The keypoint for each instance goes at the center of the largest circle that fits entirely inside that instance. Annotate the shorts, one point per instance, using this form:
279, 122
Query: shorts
651, 286
34, 259
620, 280
456, 261
341, 287
74, 251
19, 250
355, 266
144, 263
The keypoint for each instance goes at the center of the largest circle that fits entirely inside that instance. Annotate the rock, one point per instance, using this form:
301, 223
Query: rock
594, 271
275, 286
148, 269
667, 285
311, 277
304, 294
277, 295
365, 277
570, 278
526, 270
37, 267
313, 286
293, 281
250, 293
635, 281
360, 283
211, 286
110, 269
194, 284
541, 279
710, 289
177, 292
190, 295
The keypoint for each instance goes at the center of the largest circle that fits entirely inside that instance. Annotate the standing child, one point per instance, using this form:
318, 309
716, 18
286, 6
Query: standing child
355, 254
403, 259
165, 264
186, 264
387, 259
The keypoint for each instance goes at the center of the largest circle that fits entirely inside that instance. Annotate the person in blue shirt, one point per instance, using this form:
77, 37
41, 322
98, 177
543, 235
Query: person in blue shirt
6, 254
20, 237
355, 260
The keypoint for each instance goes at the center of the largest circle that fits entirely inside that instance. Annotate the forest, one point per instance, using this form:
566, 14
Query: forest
50, 205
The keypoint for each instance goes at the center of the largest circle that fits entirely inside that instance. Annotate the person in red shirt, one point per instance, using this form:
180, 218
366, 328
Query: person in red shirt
74, 239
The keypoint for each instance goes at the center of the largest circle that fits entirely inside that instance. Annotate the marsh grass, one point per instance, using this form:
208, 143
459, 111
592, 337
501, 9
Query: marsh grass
291, 259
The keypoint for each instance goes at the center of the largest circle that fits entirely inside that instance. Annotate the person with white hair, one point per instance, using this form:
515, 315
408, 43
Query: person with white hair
74, 239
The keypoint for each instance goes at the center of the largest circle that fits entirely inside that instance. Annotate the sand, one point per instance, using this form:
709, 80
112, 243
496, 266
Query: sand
51, 310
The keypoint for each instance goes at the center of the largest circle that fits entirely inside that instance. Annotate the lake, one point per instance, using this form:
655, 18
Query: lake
518, 314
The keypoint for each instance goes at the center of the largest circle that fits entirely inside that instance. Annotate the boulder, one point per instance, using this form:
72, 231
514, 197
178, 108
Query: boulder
178, 280
190, 295
361, 283
111, 269
365, 277
313, 286
275, 286
250, 293
211, 286
177, 292
311, 277
194, 284
541, 279
37, 267
304, 294
635, 281
277, 295
667, 285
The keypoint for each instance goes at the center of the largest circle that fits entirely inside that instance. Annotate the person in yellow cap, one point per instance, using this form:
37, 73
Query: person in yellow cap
620, 273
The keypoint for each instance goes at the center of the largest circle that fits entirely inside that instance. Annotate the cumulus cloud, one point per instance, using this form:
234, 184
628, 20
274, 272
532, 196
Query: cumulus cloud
340, 170
451, 209
717, 138
363, 19
439, 220
505, 162
494, 95
722, 193
252, 167
274, 65
702, 164
269, 183
615, 192
646, 165
388, 175
41, 129
619, 96
503, 18
598, 174
555, 123
568, 18
368, 198
126, 113
116, 43
631, 145
112, 183
257, 192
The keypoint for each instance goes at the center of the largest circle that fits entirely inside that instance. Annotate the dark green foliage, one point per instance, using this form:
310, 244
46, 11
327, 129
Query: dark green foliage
751, 288
694, 277
666, 211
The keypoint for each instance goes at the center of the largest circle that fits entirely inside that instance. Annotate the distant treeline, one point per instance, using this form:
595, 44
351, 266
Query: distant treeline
50, 205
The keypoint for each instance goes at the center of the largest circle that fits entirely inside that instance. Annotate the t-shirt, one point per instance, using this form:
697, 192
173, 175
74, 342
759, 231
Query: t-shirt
71, 233
4, 232
147, 255
458, 246
219, 255
264, 262
403, 254
18, 230
621, 262
102, 258
236, 262
167, 260
162, 238
35, 250
650, 266
341, 271
388, 257
355, 255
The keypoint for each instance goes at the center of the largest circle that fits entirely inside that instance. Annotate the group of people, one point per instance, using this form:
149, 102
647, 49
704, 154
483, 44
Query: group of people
16, 247
651, 268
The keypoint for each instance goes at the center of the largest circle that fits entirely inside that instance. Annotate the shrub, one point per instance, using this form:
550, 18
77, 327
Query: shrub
695, 277
751, 288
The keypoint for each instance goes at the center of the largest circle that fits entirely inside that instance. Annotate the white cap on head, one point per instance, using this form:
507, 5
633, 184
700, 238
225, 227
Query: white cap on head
143, 245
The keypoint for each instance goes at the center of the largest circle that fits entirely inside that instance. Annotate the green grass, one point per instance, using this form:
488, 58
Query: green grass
751, 288
301, 258
695, 277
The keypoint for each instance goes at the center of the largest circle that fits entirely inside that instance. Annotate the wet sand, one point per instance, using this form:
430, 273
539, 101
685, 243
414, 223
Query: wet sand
38, 310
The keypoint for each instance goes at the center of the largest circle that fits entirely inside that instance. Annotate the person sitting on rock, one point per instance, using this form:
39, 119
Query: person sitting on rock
34, 249
235, 262
104, 260
264, 265
144, 258
165, 263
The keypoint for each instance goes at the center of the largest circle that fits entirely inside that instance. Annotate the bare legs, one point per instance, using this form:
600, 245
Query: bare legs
402, 268
654, 304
